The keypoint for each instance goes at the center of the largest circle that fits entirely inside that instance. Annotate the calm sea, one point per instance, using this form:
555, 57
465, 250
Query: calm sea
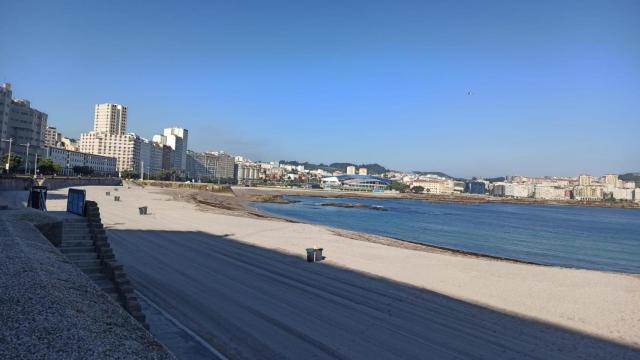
589, 238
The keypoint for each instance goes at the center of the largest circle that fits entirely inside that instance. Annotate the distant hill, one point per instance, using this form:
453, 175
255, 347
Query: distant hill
436, 173
631, 177
372, 169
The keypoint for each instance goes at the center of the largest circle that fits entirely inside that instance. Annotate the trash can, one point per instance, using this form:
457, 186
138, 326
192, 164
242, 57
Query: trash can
116, 198
108, 193
311, 254
38, 198
318, 254
143, 210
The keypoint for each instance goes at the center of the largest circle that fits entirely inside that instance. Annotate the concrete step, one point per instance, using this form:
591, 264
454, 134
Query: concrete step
82, 256
75, 243
76, 237
77, 249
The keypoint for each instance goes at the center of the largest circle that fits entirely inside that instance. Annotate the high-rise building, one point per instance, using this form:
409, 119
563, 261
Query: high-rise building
212, 166
611, 179
177, 139
125, 148
351, 170
22, 123
151, 156
584, 180
52, 137
110, 119
362, 171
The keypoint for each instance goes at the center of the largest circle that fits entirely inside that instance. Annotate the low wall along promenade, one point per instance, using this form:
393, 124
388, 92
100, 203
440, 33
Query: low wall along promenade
185, 185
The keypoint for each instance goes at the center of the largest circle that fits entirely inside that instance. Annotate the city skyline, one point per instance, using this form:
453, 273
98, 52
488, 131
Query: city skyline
557, 94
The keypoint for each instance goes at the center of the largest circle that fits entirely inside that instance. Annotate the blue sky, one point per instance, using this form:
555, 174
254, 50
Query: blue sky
555, 84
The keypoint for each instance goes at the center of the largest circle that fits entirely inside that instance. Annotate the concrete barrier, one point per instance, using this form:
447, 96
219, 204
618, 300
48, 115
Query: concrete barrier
16, 183
184, 185
60, 183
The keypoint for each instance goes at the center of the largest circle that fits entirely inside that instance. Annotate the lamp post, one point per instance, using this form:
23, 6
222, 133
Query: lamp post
26, 164
9, 157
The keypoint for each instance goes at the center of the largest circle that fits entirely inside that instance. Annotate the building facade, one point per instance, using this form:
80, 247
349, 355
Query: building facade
355, 183
110, 118
211, 166
52, 138
151, 156
177, 139
101, 165
246, 173
22, 123
125, 148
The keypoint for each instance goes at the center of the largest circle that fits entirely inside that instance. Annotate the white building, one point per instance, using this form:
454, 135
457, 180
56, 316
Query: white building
362, 171
351, 170
247, 173
125, 148
110, 119
550, 192
177, 139
513, 190
101, 165
70, 144
434, 186
52, 137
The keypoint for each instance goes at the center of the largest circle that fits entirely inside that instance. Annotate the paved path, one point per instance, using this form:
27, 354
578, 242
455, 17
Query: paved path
255, 303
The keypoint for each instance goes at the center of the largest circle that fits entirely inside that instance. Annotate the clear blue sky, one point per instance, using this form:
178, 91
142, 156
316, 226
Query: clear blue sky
556, 84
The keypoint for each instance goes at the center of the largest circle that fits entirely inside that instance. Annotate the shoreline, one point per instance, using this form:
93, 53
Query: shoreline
458, 199
244, 209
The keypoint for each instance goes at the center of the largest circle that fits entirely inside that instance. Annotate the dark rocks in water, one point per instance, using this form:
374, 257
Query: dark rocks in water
355, 206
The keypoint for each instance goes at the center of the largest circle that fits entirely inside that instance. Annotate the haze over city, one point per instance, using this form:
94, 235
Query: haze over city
468, 88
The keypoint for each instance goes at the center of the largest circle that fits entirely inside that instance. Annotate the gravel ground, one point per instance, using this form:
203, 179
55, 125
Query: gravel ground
49, 309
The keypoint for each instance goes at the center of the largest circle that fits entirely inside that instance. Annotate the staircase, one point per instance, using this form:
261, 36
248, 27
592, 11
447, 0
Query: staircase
78, 247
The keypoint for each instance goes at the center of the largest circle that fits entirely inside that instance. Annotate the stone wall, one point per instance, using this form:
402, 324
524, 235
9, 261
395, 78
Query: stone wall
184, 185
59, 183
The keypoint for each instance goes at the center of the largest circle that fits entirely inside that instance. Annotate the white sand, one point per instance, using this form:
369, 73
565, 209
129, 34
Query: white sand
605, 305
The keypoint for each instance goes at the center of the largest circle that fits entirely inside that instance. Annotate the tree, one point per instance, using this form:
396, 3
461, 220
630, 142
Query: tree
15, 162
417, 189
47, 167
398, 186
129, 174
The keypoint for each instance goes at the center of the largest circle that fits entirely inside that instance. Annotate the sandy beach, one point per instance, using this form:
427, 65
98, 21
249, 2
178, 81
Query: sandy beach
596, 307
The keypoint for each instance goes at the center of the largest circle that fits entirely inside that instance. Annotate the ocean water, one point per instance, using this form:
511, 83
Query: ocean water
589, 238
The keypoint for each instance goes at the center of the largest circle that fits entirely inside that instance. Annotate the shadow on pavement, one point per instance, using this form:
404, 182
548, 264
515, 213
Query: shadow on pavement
255, 303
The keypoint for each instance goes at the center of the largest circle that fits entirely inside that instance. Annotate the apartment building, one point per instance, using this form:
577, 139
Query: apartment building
151, 156
22, 123
125, 148
110, 118
52, 138
177, 139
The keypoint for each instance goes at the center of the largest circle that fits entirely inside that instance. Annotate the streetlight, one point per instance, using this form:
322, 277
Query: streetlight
9, 157
26, 164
